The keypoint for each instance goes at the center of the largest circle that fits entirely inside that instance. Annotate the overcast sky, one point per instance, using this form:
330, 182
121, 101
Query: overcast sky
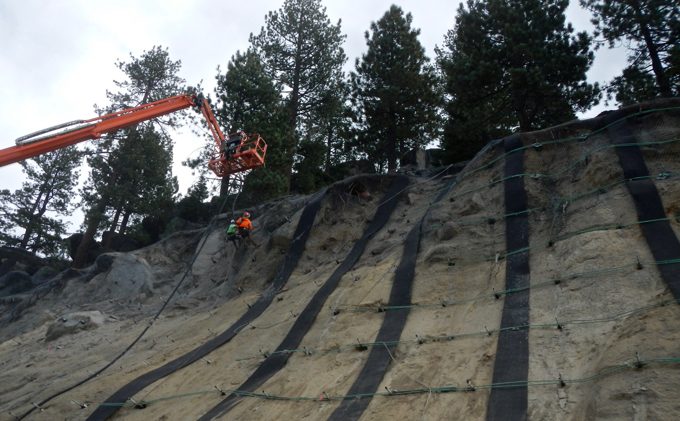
57, 57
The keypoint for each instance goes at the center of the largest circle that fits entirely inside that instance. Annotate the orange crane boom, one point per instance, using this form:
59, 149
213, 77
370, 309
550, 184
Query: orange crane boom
249, 153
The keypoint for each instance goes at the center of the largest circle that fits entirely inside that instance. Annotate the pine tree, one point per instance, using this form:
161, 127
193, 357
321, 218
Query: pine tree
248, 100
131, 169
652, 32
303, 51
33, 210
331, 125
394, 91
512, 64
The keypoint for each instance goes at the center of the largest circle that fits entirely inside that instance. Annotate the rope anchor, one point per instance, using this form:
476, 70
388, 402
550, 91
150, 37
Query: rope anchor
359, 346
82, 405
557, 324
137, 405
470, 386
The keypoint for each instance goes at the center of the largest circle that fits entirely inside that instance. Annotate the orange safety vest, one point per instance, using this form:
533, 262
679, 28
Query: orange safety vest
244, 223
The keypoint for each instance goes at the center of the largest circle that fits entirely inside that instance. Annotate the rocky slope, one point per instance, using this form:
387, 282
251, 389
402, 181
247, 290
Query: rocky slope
597, 332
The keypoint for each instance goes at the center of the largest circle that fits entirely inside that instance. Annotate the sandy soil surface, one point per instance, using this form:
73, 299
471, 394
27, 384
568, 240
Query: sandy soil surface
583, 232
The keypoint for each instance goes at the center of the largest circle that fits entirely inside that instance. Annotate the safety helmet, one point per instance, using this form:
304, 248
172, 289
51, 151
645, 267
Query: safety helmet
246, 214
232, 222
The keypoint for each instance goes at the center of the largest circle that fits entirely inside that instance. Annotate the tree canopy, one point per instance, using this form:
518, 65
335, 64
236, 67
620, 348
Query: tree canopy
303, 52
651, 31
394, 91
249, 100
33, 211
512, 64
132, 177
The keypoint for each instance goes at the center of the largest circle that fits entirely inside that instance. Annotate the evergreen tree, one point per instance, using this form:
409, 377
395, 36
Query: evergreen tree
132, 177
309, 174
47, 192
142, 168
394, 91
512, 64
303, 51
331, 125
248, 100
193, 207
652, 30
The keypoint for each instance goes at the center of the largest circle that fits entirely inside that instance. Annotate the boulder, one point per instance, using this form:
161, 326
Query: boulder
44, 274
446, 231
120, 277
15, 282
72, 323
114, 241
73, 242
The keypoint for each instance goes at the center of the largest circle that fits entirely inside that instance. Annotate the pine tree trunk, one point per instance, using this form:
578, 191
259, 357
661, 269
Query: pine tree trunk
329, 140
116, 217
93, 219
123, 224
294, 108
112, 229
30, 225
224, 186
39, 215
657, 67
391, 150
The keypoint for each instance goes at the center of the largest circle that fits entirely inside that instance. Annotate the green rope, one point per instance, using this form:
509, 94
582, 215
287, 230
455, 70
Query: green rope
498, 294
561, 173
635, 364
662, 176
608, 227
579, 138
557, 324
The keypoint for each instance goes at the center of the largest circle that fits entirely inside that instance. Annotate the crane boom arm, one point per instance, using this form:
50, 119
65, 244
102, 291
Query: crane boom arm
33, 145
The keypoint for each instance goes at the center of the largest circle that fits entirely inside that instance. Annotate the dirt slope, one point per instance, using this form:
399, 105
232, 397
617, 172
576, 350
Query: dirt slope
596, 299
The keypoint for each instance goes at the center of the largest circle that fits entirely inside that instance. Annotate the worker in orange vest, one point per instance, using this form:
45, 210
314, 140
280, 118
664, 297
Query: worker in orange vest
245, 226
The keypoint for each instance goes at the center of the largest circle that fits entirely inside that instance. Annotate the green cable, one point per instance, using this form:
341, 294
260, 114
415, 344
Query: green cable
498, 294
558, 324
662, 176
579, 138
635, 364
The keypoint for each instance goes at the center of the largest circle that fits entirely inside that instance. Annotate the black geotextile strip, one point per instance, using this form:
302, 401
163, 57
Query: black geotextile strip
661, 240
278, 359
289, 263
380, 357
512, 351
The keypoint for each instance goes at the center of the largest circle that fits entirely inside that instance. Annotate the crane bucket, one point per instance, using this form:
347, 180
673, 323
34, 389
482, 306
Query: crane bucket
249, 154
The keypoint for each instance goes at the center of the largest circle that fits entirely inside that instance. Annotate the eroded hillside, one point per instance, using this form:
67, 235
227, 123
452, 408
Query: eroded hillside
540, 281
